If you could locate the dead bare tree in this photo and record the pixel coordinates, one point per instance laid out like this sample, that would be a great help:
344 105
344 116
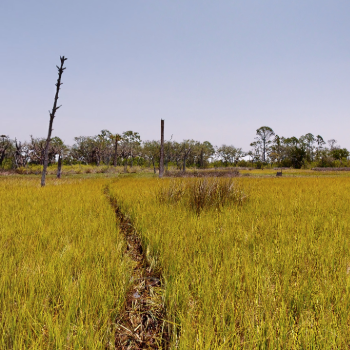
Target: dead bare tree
161 160
52 116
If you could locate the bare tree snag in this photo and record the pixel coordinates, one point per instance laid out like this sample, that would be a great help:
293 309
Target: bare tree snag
161 160
52 116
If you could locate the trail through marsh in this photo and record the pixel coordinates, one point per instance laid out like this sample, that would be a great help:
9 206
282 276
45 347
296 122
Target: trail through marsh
141 324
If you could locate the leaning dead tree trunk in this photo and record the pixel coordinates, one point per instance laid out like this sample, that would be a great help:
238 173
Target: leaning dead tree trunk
161 160
52 116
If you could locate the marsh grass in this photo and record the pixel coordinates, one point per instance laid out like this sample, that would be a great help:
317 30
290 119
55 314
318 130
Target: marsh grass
171 192
270 274
63 276
213 193
201 193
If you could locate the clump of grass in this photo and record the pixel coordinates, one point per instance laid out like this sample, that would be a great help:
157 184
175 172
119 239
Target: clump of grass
201 193
213 193
89 171
172 193
102 169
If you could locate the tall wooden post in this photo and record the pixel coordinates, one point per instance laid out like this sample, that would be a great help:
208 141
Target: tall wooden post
59 165
52 116
161 161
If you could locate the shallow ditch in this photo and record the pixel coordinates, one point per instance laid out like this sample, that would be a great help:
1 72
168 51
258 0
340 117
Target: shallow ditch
141 324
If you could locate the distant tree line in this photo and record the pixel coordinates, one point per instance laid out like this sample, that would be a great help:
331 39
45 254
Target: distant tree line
308 149
127 149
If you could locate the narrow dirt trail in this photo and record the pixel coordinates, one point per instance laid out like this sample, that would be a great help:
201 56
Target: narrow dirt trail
141 324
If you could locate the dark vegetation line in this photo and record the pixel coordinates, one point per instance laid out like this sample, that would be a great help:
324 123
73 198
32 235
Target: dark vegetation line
141 324
127 149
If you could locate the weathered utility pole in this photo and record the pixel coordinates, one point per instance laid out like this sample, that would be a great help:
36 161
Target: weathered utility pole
52 116
59 165
161 161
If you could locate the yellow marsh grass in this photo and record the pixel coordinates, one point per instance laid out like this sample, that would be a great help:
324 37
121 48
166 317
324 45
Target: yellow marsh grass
62 276
202 193
273 273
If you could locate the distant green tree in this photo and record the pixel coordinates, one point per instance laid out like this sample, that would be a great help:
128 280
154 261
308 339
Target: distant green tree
151 151
5 148
205 151
320 143
264 135
187 146
131 141
339 153
256 151
277 150
295 151
230 154
308 140
58 148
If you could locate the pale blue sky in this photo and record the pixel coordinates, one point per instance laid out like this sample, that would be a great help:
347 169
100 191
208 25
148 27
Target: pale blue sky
214 70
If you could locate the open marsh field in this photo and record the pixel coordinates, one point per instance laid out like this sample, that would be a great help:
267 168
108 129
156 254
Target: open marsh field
268 269
270 273
63 276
